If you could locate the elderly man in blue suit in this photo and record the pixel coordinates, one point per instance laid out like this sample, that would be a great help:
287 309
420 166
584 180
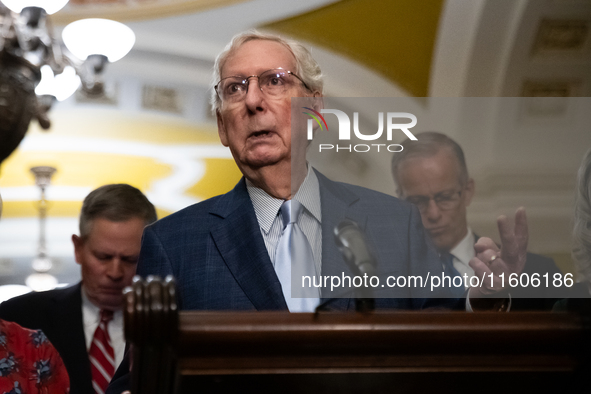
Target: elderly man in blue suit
225 252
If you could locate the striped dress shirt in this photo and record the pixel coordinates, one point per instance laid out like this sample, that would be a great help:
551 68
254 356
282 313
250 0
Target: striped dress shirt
270 221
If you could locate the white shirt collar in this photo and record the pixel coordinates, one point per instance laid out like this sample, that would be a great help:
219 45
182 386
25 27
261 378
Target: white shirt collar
91 313
464 251
266 207
91 320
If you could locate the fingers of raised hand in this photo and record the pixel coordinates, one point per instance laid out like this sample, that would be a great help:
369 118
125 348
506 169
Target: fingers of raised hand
489 281
485 243
521 229
488 256
514 240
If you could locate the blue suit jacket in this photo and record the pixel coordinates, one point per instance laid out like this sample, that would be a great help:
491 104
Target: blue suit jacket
217 255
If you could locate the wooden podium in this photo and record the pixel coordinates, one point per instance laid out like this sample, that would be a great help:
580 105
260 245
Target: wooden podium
348 352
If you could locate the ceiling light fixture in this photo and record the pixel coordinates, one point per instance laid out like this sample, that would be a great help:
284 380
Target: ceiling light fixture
50 6
29 51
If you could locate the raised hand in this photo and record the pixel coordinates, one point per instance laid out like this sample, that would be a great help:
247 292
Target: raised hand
509 259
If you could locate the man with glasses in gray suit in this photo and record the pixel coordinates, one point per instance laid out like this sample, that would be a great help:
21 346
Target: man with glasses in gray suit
432 174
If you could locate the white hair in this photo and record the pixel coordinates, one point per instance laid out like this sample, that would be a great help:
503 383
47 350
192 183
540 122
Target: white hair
306 67
581 251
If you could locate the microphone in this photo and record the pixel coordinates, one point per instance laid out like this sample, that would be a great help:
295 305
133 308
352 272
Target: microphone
352 244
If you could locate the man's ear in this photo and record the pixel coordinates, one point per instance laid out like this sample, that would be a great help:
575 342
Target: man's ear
221 128
78 245
318 101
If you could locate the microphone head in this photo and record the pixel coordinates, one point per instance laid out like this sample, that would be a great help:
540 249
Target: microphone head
351 242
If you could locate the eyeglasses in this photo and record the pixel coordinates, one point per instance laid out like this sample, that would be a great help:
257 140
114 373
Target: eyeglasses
444 200
273 83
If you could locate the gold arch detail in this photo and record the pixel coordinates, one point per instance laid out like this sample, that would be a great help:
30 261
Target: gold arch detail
396 38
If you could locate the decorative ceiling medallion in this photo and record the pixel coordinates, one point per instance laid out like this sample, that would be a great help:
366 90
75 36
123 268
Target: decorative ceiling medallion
562 36
161 99
129 10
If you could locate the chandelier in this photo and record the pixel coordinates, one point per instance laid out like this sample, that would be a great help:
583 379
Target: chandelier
36 68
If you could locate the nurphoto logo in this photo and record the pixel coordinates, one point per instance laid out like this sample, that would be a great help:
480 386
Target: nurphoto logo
392 123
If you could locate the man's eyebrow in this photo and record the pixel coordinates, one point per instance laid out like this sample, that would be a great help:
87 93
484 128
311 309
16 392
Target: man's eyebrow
445 191
99 254
99 251
435 194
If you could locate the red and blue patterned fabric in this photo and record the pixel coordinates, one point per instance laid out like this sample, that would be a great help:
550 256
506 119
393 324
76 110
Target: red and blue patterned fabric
29 364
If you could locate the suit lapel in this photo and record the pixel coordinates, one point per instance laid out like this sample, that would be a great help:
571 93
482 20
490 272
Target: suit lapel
239 241
69 314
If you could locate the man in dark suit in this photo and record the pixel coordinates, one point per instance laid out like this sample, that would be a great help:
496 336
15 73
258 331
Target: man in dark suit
111 224
225 252
431 172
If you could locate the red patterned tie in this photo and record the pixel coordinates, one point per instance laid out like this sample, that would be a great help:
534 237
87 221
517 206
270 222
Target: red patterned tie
101 354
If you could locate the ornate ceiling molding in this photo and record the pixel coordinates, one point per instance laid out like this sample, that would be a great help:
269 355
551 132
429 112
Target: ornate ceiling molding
134 10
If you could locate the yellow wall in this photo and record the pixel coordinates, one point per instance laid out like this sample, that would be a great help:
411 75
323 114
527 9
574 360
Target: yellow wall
395 37
81 167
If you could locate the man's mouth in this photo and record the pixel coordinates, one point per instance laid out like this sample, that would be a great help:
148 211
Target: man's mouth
436 231
260 134
112 290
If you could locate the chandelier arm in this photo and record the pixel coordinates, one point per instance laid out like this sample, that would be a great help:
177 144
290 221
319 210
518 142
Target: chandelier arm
7 25
58 59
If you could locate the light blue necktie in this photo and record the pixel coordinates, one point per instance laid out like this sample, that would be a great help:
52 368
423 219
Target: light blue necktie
294 248
447 260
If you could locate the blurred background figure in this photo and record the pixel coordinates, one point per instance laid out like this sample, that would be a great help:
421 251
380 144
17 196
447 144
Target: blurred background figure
85 321
432 174
581 291
582 222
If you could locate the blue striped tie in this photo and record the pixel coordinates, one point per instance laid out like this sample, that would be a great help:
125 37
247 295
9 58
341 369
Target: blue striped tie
294 247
